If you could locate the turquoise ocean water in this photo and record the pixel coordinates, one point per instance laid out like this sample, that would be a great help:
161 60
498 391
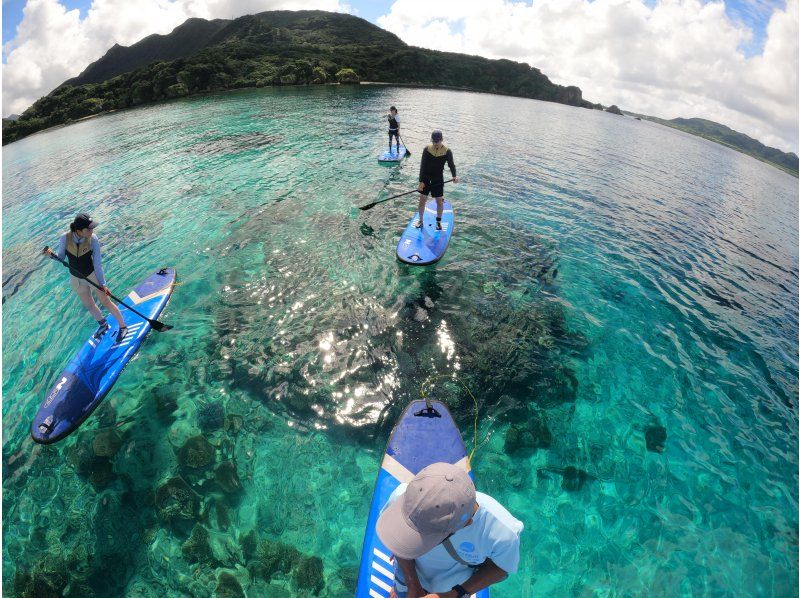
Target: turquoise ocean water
620 297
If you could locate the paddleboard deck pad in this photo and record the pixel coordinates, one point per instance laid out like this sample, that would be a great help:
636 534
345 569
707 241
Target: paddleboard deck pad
426 245
93 371
393 156
419 439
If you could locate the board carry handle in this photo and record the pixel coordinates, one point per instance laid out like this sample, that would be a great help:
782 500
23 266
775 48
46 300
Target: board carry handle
428 411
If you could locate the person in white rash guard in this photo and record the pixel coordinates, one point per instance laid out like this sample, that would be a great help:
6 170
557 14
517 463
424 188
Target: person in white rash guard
82 249
448 540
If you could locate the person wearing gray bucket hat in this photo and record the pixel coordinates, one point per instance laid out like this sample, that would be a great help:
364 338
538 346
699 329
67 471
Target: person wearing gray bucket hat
447 539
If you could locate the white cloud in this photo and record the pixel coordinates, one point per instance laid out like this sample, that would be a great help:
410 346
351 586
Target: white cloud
676 58
53 44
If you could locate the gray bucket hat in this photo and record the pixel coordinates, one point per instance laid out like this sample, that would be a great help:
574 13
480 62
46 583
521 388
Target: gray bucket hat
437 503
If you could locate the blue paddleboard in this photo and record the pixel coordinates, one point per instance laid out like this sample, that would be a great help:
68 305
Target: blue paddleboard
426 245
92 372
419 439
393 156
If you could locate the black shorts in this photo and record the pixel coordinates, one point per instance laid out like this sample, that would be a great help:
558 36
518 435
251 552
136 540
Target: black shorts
394 134
433 188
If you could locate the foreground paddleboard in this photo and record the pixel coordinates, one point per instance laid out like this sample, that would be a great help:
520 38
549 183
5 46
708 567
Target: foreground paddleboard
393 156
426 245
92 372
419 439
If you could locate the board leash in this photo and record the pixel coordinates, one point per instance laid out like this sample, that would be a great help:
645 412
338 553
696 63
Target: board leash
428 383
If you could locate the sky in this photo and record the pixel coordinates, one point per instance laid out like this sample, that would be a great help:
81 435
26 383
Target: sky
734 61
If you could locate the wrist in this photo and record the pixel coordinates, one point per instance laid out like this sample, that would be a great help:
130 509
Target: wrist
458 591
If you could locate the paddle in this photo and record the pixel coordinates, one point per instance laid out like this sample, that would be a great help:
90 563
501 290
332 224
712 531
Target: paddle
375 203
408 151
159 326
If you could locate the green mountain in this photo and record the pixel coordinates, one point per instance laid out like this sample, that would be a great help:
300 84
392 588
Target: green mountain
272 48
713 131
186 39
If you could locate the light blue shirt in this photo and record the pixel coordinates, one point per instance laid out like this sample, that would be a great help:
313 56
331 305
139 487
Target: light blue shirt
493 534
97 260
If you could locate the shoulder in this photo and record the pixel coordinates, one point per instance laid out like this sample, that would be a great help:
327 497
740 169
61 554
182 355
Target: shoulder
498 517
96 242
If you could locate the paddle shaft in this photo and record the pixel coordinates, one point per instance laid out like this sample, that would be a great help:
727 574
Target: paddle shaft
375 203
408 151
114 297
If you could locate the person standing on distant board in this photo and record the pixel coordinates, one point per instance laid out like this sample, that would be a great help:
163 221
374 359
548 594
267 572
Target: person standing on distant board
82 250
394 128
431 176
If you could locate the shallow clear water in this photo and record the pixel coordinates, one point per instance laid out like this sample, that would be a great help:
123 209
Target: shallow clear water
613 288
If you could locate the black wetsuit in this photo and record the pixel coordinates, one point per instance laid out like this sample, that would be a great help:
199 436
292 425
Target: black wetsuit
431 169
394 130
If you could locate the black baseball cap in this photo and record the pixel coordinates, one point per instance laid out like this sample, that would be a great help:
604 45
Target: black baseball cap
436 136
82 221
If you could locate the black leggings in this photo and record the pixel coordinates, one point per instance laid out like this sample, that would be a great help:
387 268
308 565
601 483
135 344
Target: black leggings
396 135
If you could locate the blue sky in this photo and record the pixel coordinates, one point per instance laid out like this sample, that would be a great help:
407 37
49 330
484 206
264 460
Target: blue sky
755 15
12 14
371 9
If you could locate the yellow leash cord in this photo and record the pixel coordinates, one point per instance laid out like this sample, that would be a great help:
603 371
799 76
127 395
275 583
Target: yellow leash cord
429 382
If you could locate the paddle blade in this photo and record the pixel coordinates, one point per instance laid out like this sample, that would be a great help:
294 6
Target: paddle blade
160 326
368 206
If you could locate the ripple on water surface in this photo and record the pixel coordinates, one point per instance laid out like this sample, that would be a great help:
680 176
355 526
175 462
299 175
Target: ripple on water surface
620 297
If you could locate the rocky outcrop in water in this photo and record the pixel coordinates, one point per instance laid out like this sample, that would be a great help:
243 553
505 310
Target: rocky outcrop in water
656 438
176 500
106 443
196 549
227 477
211 416
530 434
196 453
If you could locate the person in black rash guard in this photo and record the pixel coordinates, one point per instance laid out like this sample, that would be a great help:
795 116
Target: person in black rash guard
431 176
394 128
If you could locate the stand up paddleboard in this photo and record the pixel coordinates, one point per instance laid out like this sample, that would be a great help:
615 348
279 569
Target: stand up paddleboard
92 372
421 437
426 245
392 156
